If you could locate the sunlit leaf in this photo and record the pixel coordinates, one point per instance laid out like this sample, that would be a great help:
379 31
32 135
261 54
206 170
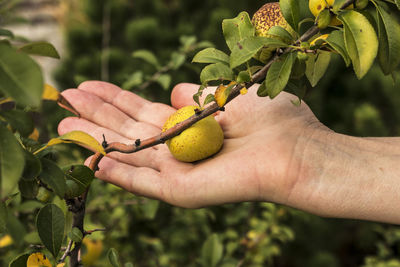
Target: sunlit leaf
50 224
75 235
40 49
21 77
316 66
237 29
211 55
389 38
361 41
291 12
336 41
245 49
76 137
278 74
217 71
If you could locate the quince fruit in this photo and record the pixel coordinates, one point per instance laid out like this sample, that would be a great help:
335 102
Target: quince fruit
202 140
268 16
317 6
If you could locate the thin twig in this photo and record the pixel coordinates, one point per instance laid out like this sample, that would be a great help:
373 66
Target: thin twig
66 253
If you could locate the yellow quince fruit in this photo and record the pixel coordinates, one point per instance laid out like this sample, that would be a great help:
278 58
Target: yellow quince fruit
202 140
268 16
317 6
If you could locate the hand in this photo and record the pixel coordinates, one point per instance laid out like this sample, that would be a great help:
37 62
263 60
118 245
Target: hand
261 160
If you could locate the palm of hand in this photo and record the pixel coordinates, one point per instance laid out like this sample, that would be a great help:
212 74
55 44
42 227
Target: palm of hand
258 161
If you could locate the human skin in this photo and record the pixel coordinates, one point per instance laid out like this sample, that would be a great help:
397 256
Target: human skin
273 151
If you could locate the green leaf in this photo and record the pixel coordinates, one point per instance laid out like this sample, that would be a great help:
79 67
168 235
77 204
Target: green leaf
134 80
281 33
177 60
164 80
291 12
15 228
361 41
237 29
209 98
75 234
19 261
40 49
149 208
28 188
211 55
20 76
262 90
211 253
196 96
53 176
19 120
50 223
397 2
278 74
11 162
316 66
78 178
243 77
147 56
33 166
187 41
389 38
244 50
217 71
3 216
336 41
7 33
112 256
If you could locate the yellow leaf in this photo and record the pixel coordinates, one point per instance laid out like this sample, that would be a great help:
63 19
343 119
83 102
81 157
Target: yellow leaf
222 93
5 241
322 37
5 100
34 135
243 91
38 260
76 137
61 264
50 93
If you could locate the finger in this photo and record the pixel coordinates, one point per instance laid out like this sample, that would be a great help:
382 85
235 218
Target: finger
135 106
94 109
154 157
137 180
182 94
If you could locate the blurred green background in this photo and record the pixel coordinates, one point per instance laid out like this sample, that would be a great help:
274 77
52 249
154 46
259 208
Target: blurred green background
100 37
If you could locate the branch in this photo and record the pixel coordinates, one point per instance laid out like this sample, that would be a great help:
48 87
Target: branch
176 130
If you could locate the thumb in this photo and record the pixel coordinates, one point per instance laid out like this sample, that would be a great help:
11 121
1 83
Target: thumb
182 94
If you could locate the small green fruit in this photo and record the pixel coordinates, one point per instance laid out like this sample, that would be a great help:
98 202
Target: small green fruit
43 195
201 140
264 19
361 4
324 19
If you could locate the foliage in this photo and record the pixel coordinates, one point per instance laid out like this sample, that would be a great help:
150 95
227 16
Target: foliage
36 192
